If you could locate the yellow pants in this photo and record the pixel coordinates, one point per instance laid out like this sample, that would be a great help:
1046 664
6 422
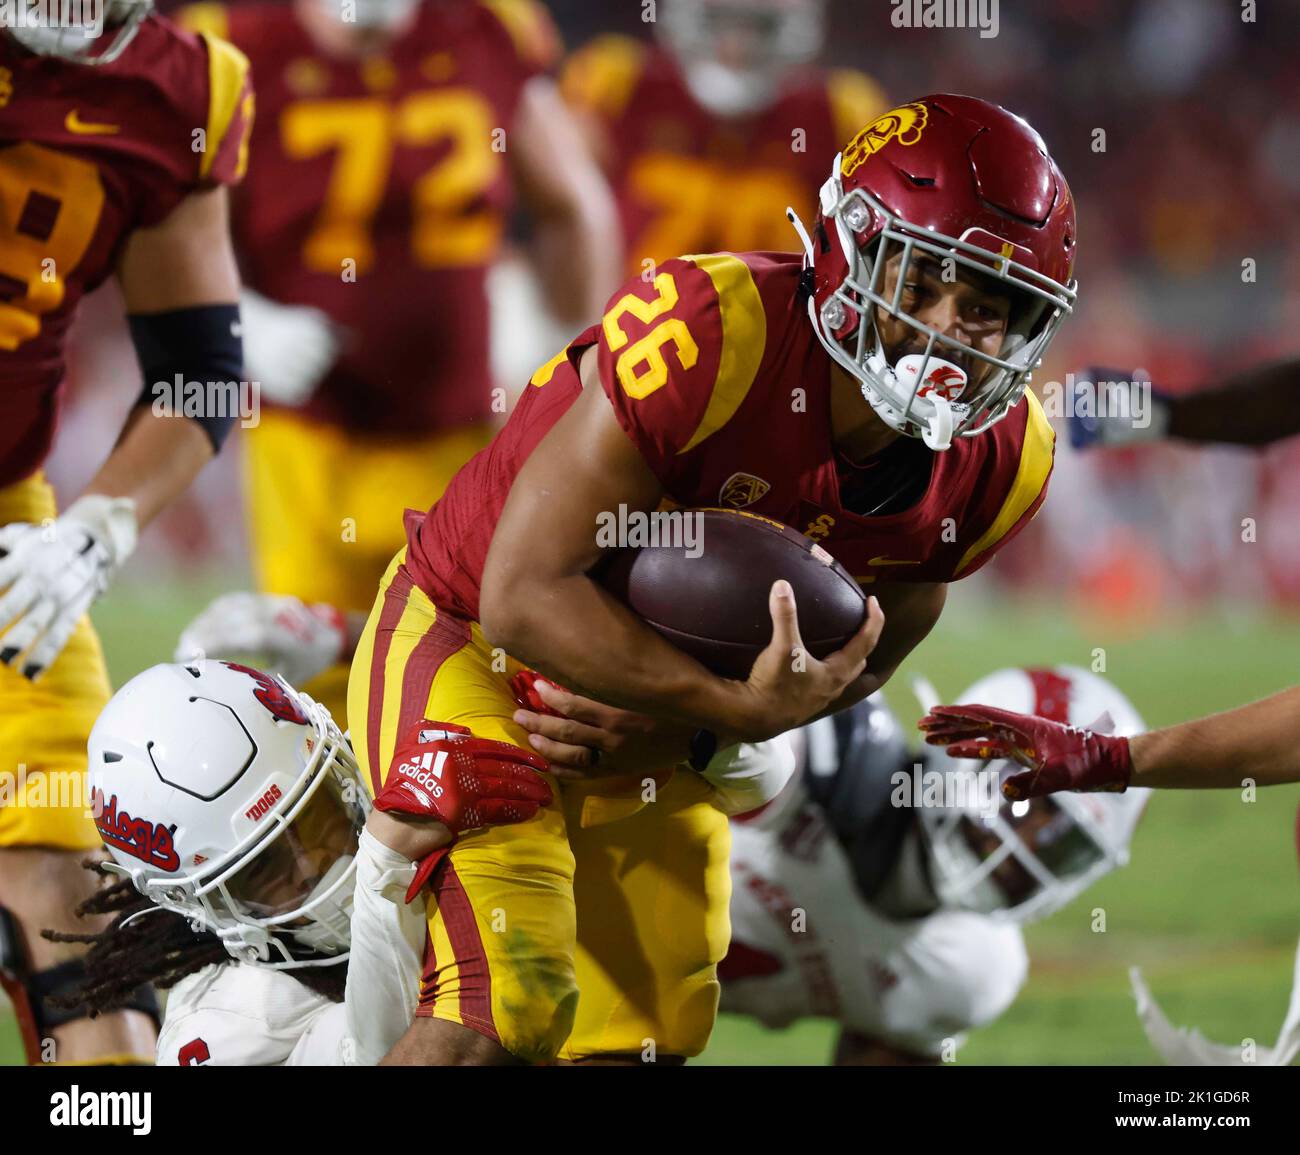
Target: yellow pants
44 725
593 929
324 511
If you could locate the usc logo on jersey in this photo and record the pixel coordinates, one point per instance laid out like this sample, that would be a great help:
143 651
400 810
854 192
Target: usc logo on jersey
819 527
904 124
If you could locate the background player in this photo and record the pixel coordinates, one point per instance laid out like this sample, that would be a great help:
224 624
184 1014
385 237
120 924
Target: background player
1257 744
278 913
708 133
1256 406
684 387
389 154
901 922
114 157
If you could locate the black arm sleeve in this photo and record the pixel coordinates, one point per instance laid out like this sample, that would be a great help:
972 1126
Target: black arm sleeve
192 361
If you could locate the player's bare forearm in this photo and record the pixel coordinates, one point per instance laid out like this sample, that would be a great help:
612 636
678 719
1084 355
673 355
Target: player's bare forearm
1256 406
1260 741
155 458
577 248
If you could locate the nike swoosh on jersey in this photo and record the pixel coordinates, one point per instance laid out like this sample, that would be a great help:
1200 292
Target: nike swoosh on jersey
890 561
74 123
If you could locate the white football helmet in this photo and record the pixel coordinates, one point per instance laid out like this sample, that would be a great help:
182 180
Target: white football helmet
229 798
1023 860
734 54
87 45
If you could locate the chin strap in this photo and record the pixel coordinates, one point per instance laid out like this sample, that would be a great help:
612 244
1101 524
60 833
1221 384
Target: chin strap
937 432
794 218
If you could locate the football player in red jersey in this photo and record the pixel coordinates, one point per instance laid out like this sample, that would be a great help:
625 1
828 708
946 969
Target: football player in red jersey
708 133
389 153
869 392
114 156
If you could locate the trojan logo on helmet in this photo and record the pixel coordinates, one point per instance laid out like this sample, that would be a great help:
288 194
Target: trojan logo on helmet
903 124
944 189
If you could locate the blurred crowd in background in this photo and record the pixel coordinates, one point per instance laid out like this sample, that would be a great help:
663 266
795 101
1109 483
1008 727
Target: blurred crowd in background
1189 214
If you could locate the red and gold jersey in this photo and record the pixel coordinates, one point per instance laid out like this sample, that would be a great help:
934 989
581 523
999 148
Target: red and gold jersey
378 192
87 155
715 373
689 181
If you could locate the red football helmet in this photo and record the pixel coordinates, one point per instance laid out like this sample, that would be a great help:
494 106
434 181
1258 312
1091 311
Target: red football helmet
958 184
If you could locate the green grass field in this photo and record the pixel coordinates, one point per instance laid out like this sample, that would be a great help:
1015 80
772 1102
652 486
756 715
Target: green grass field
1209 905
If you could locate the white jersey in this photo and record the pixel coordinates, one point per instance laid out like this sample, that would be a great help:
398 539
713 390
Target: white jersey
806 944
241 1015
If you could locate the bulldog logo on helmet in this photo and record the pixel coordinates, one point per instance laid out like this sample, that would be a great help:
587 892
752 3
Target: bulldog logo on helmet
273 695
903 124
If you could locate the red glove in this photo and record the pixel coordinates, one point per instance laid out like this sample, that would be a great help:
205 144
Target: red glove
1057 757
524 684
443 772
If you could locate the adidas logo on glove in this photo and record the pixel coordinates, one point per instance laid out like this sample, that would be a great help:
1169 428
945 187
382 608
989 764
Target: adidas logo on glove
426 771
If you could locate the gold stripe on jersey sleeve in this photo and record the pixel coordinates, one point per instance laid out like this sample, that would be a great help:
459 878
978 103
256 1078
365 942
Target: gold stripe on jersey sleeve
856 100
547 371
205 16
744 336
602 75
533 32
227 73
1031 476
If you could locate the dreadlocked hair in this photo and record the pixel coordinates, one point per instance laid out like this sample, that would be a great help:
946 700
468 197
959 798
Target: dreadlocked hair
159 948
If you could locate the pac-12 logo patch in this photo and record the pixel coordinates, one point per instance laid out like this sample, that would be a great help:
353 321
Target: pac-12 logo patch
742 489
903 124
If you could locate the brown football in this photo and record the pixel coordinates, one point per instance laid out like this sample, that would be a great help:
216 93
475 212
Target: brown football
714 605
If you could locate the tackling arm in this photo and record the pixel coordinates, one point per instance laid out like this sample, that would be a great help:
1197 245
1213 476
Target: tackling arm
1260 741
